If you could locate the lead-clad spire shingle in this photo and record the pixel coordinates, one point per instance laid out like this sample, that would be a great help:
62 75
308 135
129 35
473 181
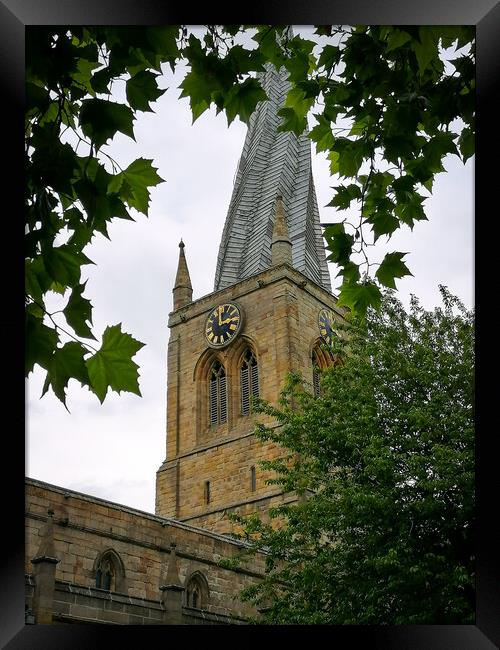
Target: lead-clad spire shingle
272 164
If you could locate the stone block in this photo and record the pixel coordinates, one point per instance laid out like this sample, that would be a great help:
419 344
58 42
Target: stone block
83 611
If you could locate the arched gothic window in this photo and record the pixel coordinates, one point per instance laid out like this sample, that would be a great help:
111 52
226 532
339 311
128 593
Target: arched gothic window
249 379
197 593
109 572
217 394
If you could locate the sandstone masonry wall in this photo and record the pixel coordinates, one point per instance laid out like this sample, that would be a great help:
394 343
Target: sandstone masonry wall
281 308
86 526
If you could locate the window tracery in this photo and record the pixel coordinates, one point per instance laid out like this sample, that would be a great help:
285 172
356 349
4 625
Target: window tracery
197 593
109 572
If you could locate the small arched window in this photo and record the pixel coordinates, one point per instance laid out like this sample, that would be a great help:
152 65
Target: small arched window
197 593
249 379
217 394
109 572
253 479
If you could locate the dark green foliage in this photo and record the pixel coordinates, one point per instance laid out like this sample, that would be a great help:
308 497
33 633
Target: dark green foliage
71 196
383 464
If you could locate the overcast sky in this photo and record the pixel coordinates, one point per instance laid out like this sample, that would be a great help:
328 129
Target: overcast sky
114 450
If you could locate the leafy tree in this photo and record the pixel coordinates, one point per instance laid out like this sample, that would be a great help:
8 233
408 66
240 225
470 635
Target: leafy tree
382 463
74 188
388 109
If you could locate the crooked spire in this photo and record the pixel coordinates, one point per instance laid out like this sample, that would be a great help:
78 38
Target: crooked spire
272 164
183 291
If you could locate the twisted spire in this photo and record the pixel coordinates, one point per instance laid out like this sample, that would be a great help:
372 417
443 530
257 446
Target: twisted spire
272 163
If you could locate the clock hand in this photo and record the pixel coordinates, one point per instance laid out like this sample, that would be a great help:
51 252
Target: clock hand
220 310
228 320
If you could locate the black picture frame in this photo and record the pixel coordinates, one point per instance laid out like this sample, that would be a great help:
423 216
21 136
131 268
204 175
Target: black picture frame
15 16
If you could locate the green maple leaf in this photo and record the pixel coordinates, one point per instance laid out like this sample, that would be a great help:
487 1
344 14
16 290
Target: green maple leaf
242 100
392 267
412 210
37 281
297 66
63 264
100 80
138 176
299 100
339 243
243 61
199 88
334 158
426 48
40 342
112 366
268 44
294 113
329 56
292 121
344 196
359 296
66 363
436 148
100 120
466 143
322 134
142 89
383 222
397 38
350 161
78 311
164 41
350 272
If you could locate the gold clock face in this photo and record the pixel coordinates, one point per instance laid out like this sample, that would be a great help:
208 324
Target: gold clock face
325 322
223 324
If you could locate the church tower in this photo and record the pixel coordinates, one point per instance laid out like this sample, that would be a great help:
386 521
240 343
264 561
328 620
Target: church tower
271 309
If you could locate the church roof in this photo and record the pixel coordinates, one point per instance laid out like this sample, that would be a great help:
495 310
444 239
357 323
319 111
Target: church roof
272 164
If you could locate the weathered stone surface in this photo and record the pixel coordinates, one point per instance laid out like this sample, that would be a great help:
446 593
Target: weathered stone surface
144 550
281 309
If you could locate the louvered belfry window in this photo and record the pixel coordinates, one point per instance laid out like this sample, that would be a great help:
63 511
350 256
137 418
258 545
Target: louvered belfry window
218 394
249 375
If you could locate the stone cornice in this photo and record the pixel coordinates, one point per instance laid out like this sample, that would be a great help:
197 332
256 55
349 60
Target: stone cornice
164 521
255 282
